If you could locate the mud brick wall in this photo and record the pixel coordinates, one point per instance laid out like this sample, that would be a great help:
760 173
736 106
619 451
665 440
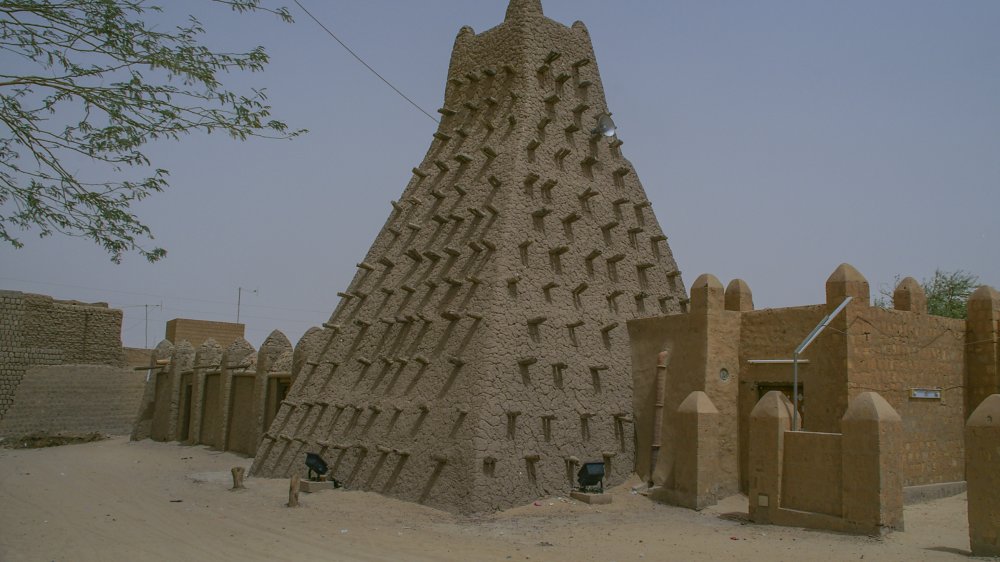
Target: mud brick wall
894 351
38 330
983 461
196 332
215 397
13 358
864 349
241 436
138 357
982 347
812 472
74 400
696 352
850 481
773 334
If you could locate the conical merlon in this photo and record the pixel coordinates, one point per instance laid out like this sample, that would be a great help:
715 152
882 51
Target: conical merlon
522 8
480 353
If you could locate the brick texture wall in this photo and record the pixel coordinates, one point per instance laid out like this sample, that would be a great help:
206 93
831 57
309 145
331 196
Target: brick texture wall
892 352
137 357
36 330
197 331
74 400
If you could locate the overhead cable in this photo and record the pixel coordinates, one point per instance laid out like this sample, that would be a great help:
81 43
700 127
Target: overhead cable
362 61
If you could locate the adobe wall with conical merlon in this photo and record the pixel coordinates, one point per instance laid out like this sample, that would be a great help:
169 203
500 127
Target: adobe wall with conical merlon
982 436
480 353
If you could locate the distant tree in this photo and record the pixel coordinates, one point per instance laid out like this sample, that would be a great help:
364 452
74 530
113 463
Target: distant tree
947 293
89 82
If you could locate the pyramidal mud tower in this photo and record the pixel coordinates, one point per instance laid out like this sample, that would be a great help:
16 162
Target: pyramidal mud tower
480 353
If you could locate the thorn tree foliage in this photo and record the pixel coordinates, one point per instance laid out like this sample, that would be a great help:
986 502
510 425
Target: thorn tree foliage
90 83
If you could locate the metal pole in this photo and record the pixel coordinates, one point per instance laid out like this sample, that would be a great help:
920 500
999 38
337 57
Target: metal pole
146 345
795 391
802 347
239 295
774 361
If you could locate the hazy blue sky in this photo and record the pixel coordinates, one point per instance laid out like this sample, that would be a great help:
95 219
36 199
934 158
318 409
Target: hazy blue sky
776 139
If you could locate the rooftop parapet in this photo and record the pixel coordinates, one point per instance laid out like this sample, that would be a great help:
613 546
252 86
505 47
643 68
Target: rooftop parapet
909 296
846 281
984 303
707 294
739 298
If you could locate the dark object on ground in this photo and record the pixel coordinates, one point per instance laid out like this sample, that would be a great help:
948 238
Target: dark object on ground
42 440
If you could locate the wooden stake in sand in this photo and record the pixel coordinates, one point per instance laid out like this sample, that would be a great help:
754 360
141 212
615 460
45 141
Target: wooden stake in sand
293 491
238 473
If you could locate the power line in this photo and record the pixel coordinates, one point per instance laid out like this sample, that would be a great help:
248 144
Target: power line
69 286
164 307
158 296
368 66
173 309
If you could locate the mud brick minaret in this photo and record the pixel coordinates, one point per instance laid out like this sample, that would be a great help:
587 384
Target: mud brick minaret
480 354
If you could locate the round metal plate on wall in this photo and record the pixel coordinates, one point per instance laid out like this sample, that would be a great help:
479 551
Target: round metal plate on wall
724 375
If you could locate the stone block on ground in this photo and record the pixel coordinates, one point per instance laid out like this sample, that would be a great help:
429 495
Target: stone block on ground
593 499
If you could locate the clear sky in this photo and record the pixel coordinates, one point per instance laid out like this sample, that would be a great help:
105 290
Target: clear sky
775 138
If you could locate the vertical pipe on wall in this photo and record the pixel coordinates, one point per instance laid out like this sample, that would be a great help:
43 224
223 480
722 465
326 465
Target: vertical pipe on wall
661 390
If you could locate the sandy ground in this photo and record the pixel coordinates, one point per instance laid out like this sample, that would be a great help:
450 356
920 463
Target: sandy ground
116 500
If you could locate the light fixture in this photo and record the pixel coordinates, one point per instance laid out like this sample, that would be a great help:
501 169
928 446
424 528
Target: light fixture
591 477
605 126
315 463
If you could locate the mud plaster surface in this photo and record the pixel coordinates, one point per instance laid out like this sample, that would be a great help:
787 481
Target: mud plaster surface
481 350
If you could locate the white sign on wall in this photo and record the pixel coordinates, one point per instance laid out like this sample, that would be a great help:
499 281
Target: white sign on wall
925 393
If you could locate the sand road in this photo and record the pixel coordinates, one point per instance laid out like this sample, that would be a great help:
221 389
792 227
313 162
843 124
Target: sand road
115 500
